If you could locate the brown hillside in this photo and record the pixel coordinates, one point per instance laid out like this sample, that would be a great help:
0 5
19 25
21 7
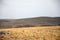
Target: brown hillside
29 22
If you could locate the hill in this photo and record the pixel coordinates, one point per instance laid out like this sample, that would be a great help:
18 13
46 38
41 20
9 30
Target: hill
30 22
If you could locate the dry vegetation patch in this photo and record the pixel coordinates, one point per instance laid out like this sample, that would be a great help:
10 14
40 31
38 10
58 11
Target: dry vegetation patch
31 33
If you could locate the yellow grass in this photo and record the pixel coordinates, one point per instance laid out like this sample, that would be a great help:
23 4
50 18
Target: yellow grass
31 33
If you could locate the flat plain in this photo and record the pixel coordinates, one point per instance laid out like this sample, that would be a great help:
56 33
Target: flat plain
31 33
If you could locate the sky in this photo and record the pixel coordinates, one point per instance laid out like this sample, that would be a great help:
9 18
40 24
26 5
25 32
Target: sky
14 9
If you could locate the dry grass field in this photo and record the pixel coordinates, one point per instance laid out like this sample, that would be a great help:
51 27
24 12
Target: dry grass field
31 33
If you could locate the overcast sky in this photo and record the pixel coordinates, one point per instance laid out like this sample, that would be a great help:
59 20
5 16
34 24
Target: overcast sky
28 8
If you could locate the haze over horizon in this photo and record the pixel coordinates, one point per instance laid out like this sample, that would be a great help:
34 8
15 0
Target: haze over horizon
16 9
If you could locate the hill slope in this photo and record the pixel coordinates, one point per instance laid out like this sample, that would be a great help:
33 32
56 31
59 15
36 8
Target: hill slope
28 22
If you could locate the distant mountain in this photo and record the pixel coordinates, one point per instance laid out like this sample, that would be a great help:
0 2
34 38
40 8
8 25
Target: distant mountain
29 22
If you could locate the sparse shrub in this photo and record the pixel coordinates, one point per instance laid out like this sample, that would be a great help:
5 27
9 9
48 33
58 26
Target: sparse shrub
20 26
28 25
35 33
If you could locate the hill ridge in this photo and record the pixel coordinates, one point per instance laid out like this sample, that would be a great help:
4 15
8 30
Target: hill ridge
27 22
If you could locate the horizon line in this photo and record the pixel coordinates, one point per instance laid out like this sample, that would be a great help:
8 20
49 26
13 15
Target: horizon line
28 17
